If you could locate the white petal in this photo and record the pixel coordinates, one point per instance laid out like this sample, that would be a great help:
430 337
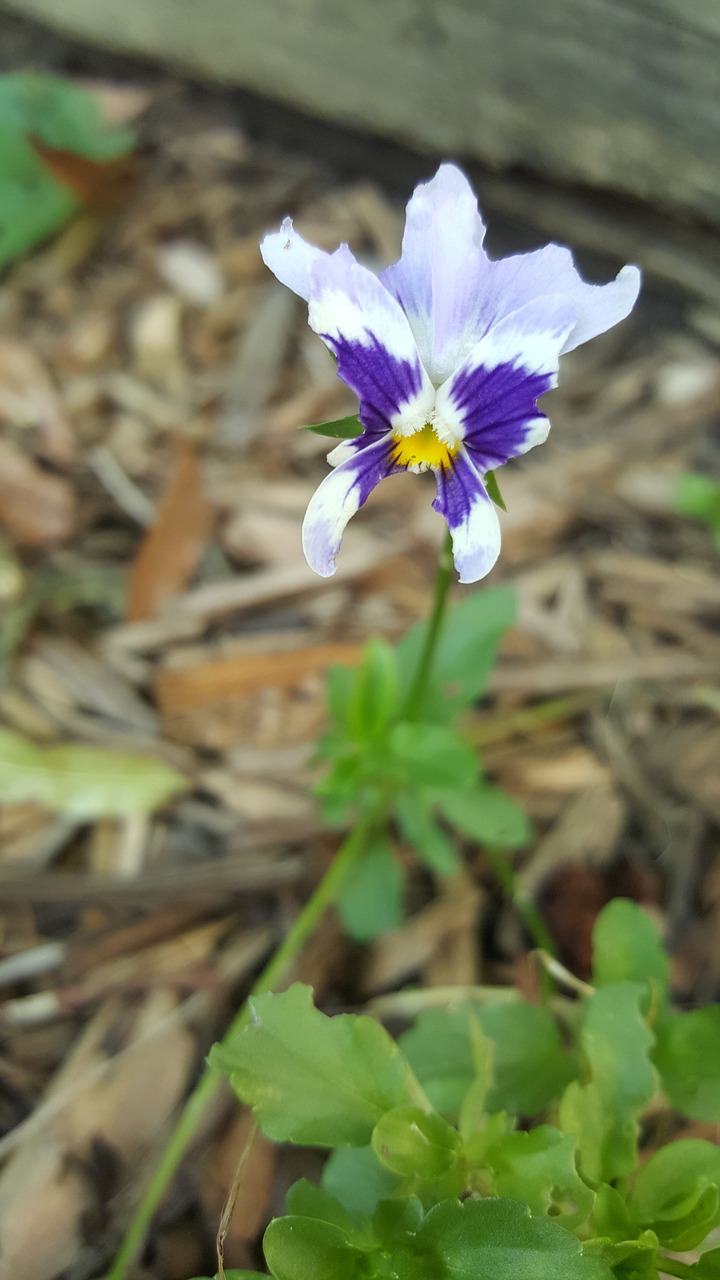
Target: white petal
339 496
471 518
602 306
291 258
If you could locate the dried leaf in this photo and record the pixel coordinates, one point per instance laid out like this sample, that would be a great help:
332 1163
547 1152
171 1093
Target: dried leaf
29 399
172 548
36 509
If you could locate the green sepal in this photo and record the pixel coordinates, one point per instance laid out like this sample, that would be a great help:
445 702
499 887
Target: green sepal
493 490
339 428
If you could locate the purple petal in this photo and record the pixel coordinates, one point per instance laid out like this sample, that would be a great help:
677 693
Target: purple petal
471 517
491 400
340 495
370 336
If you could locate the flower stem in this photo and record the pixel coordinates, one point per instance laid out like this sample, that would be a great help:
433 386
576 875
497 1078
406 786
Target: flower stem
443 580
526 909
209 1083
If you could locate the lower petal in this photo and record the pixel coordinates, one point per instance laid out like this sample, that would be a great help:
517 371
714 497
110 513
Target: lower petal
340 495
471 518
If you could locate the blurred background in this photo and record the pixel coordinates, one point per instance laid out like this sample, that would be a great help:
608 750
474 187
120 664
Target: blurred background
153 597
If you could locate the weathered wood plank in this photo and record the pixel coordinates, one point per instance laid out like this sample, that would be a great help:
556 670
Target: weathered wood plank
624 95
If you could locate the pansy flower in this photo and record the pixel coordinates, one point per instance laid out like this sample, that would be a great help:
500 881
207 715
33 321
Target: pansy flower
448 352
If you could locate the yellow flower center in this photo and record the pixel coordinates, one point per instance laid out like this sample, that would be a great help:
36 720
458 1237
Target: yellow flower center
423 449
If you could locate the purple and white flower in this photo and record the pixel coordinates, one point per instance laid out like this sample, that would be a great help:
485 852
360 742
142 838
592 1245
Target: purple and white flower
448 353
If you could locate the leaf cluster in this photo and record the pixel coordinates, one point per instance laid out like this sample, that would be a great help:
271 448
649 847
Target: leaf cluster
494 1138
62 116
417 770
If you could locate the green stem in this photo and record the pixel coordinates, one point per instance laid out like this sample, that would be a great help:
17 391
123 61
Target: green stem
443 580
526 909
209 1083
673 1267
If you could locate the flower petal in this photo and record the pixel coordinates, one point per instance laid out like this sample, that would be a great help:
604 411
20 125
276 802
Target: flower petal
291 258
490 402
471 517
370 336
440 272
339 496
513 282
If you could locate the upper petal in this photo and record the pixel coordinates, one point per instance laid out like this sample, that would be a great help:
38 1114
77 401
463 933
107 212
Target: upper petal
440 272
512 282
370 335
490 402
291 258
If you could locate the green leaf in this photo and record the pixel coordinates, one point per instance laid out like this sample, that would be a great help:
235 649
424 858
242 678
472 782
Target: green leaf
439 1049
32 203
539 1168
627 947
431 844
698 496
495 1240
676 1193
395 1221
313 1079
485 814
493 488
416 1143
63 114
707 1266
611 1216
432 755
340 428
687 1055
304 1249
374 697
465 653
355 1177
305 1200
603 1114
89 782
371 898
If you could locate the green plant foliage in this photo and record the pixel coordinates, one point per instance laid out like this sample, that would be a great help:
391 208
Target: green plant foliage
485 814
371 899
495 1240
466 651
431 1175
603 1114
416 1143
539 1168
89 782
63 116
355 1177
441 1053
677 1193
627 948
339 428
313 1079
687 1055
698 496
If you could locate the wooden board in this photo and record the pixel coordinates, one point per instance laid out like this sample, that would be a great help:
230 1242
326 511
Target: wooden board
618 95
